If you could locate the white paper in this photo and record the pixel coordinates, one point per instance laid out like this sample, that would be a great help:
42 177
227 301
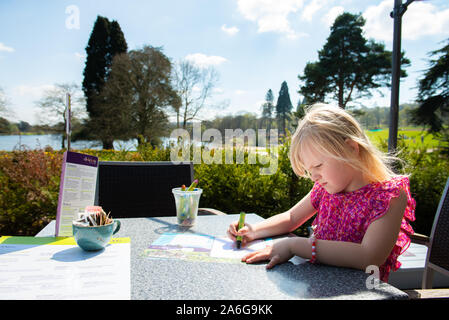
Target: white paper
192 241
58 272
226 248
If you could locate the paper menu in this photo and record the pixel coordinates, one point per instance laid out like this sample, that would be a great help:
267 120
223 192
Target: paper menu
49 268
77 189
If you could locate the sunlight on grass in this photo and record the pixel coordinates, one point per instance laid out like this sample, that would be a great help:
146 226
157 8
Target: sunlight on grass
412 136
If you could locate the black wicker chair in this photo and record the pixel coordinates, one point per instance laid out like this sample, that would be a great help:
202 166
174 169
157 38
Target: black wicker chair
132 189
438 251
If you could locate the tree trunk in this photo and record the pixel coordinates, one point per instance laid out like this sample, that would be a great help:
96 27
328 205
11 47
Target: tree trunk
108 144
63 141
340 96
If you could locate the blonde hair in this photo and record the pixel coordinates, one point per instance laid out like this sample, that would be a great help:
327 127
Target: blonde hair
327 128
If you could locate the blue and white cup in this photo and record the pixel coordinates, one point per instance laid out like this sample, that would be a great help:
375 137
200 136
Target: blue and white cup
92 238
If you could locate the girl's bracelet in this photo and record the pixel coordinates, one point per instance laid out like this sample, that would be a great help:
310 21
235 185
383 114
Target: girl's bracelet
312 241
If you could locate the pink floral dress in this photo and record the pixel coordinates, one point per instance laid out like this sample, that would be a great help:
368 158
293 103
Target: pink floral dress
346 216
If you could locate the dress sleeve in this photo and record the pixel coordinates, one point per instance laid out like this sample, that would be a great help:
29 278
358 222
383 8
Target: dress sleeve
381 202
316 195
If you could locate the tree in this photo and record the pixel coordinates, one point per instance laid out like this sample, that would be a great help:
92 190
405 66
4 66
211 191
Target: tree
5 126
283 107
137 95
24 126
299 113
3 103
433 93
194 86
315 83
268 109
112 119
348 66
405 114
53 106
106 41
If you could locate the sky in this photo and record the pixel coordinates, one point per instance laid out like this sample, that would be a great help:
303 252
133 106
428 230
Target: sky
254 45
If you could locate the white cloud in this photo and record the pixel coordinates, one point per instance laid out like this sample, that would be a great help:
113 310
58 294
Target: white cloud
421 19
79 56
331 15
379 24
5 48
32 92
230 31
270 15
311 8
205 61
240 92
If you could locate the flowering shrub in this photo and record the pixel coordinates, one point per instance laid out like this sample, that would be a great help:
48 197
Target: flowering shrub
29 184
29 187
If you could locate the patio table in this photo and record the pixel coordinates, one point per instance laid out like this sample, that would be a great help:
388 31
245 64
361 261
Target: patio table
176 279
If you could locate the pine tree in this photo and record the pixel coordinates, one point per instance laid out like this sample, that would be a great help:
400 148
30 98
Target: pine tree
349 65
433 95
106 41
283 107
268 108
95 69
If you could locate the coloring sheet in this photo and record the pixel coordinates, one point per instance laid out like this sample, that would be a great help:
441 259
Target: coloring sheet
226 248
201 247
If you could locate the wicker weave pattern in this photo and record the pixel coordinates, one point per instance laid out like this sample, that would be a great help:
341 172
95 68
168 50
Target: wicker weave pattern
130 190
439 254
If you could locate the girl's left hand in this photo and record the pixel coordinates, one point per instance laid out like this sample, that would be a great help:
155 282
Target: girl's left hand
278 253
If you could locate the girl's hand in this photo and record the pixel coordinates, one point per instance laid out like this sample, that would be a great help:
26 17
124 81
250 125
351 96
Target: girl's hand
247 232
278 253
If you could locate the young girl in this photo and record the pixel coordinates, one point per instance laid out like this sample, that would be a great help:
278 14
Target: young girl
362 207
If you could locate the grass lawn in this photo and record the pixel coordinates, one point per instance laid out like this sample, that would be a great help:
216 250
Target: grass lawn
411 135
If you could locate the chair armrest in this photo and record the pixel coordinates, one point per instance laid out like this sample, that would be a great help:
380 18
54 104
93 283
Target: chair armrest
428 293
420 239
209 211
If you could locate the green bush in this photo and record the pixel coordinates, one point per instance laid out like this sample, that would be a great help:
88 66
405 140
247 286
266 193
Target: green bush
429 172
29 185
232 188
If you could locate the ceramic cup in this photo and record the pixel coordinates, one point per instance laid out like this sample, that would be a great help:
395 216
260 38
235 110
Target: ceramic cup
94 238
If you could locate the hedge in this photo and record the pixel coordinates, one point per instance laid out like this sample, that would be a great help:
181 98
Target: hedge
29 185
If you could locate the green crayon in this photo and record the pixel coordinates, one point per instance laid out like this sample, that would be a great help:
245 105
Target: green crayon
240 226
193 185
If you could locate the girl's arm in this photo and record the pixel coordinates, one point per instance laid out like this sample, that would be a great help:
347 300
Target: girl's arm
287 221
276 225
374 249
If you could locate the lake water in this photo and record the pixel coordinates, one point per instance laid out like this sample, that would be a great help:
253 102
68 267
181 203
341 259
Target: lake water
8 143
11 142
